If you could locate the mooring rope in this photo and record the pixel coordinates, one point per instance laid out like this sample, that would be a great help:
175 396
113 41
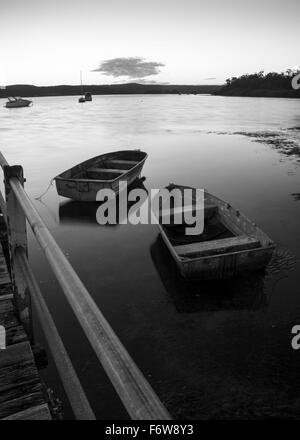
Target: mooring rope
44 193
52 215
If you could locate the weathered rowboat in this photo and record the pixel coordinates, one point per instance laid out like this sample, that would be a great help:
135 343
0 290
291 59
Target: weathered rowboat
230 244
83 181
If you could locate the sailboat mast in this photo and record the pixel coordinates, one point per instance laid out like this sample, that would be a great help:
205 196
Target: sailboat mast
81 82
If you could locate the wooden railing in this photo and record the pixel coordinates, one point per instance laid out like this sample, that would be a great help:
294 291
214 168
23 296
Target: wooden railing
138 397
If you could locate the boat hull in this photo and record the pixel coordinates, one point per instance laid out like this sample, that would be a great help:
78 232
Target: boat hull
18 104
86 190
227 265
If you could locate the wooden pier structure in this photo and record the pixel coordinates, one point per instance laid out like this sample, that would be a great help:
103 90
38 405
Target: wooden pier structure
22 393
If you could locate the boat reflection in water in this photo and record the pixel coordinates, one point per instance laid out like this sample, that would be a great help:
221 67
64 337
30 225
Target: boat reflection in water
75 212
242 293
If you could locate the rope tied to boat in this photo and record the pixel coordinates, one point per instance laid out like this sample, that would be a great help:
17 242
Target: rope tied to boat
45 192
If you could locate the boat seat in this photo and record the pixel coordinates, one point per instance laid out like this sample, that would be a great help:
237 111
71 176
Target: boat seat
121 163
209 211
214 247
106 170
104 173
124 161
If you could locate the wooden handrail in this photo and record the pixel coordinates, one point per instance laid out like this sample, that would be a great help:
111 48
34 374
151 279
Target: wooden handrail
137 395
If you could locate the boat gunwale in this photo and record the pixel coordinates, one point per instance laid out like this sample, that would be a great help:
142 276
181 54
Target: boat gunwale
101 180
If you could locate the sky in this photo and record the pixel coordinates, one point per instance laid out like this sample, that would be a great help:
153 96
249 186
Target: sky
48 42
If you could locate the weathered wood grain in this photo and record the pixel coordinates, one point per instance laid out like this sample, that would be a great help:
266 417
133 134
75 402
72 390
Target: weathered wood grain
8 317
21 403
15 335
6 297
40 412
21 391
4 275
231 244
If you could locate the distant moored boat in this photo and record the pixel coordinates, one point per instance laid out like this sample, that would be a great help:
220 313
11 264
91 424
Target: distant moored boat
14 102
82 98
88 96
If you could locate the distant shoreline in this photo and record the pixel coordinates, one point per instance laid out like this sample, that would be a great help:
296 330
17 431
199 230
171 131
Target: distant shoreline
26 90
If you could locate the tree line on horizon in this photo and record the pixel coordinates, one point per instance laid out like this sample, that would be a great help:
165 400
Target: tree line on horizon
262 80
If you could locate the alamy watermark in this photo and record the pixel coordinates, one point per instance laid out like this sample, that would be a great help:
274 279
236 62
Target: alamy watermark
296 81
165 206
2 338
296 339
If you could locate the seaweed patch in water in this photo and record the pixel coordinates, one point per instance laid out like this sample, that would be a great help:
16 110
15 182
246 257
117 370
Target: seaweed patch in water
294 128
278 141
258 134
296 196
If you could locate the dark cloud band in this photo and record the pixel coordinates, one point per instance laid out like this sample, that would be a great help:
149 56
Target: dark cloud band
132 67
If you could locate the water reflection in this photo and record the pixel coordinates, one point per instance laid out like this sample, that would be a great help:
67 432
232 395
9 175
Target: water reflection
244 293
85 213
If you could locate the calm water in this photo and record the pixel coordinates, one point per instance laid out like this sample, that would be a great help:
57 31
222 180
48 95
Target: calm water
217 350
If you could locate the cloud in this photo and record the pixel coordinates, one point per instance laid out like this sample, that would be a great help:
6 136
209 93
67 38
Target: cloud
210 78
132 67
148 81
141 81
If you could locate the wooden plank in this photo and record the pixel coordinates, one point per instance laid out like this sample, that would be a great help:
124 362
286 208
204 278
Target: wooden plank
22 402
15 335
3 206
231 223
8 296
8 317
40 412
4 275
30 387
122 162
106 170
6 290
17 353
213 247
103 173
18 374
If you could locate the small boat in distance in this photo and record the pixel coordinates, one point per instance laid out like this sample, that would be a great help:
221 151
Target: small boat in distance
229 245
83 181
82 98
88 96
16 102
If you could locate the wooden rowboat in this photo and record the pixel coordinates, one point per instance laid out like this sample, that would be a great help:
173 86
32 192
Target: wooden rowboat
83 181
230 244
